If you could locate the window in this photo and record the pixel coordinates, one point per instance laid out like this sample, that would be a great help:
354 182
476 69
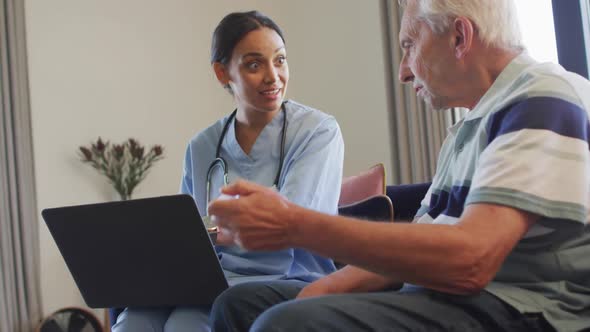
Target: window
571 32
538 32
585 9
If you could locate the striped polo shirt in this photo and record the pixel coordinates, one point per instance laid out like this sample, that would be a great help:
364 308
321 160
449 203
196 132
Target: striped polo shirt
526 145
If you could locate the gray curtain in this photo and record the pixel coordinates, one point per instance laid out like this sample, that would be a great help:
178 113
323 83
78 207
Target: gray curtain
20 299
417 132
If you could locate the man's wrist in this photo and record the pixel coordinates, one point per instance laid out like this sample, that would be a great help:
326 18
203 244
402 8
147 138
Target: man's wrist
296 221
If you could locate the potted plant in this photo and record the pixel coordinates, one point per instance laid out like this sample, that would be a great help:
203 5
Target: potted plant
125 164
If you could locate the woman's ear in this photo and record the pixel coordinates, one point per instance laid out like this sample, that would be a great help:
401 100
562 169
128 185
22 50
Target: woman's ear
221 73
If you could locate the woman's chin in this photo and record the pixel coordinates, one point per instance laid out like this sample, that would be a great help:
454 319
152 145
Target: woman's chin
270 106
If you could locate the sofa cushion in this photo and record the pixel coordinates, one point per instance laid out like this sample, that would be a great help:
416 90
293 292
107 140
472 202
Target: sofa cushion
375 208
366 184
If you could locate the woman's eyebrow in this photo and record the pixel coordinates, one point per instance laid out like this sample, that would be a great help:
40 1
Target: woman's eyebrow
260 55
253 54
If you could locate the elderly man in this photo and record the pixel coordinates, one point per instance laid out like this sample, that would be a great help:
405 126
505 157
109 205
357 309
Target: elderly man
500 242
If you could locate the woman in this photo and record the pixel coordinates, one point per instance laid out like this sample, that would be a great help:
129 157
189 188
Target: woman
268 140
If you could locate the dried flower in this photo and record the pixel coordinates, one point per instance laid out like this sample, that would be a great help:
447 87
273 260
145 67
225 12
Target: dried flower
118 152
100 145
157 150
125 165
86 153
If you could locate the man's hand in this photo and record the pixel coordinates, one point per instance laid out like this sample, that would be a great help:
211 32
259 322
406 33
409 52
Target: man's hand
349 279
316 288
258 220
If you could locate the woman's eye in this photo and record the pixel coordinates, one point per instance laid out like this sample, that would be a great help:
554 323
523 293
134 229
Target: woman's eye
253 65
281 60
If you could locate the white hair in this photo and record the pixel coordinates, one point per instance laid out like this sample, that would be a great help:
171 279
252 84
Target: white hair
495 20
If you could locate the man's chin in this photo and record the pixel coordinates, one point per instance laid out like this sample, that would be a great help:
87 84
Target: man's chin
435 105
429 104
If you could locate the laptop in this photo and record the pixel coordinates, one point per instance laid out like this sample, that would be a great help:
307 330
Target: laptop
144 252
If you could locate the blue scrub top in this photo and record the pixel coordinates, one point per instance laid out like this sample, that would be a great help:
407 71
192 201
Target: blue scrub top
311 177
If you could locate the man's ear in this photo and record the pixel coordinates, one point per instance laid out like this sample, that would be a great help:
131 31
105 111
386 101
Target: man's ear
221 73
463 34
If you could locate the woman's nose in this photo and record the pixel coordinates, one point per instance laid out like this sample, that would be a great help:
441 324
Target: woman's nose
271 75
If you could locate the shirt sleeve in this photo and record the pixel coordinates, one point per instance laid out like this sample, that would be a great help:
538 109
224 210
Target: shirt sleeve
313 177
424 204
536 160
186 183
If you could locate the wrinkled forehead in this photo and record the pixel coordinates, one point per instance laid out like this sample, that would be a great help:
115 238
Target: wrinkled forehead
410 20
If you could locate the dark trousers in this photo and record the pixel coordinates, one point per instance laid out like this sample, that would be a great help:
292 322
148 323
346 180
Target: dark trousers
269 306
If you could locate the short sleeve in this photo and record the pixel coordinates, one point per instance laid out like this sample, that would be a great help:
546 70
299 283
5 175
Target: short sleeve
186 183
314 176
424 204
536 160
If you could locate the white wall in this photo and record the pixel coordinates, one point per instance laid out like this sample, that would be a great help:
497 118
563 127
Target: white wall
140 68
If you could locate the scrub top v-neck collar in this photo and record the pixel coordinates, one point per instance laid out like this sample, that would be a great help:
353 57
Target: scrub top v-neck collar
265 144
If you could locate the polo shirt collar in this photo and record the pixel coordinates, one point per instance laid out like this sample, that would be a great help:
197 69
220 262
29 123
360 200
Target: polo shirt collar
504 81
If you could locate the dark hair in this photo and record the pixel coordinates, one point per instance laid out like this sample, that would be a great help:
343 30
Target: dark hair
232 28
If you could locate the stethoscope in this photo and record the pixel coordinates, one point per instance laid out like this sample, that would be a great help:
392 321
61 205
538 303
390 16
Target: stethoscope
220 162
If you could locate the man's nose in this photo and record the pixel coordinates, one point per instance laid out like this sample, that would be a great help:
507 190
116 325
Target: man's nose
405 73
